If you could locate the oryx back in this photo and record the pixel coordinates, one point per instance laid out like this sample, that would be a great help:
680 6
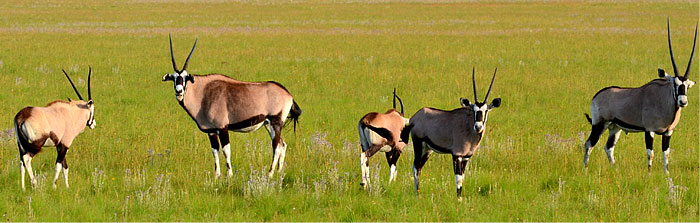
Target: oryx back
446 131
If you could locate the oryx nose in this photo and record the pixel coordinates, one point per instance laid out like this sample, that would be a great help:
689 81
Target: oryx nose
478 127
682 101
178 88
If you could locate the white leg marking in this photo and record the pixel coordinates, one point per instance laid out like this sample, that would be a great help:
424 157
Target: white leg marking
275 159
217 170
227 156
392 173
415 179
666 157
283 151
650 156
21 172
28 165
615 134
59 166
365 169
458 180
65 176
587 153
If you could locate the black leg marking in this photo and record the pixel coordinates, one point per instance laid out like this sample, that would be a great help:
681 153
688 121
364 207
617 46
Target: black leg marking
459 164
596 131
61 151
649 140
223 138
665 142
392 156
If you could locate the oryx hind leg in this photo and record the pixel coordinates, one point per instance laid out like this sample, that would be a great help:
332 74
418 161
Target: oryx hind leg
649 142
665 141
421 154
21 171
226 150
596 132
364 147
214 141
274 128
614 135
27 160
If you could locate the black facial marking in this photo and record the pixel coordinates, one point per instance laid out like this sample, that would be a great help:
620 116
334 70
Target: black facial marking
681 90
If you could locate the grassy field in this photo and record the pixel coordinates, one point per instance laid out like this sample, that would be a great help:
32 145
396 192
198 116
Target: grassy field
147 161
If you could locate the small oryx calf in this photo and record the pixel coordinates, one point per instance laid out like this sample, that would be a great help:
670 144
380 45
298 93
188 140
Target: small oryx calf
652 108
381 132
458 132
218 103
57 124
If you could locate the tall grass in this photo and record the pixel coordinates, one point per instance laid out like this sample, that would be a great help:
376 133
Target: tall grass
146 160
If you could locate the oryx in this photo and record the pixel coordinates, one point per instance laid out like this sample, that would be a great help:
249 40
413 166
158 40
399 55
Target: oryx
218 103
458 132
654 108
381 132
57 124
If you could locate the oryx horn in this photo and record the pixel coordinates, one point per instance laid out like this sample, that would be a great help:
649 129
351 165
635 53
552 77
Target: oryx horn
400 101
489 92
670 48
476 98
695 38
172 57
89 75
188 57
73 85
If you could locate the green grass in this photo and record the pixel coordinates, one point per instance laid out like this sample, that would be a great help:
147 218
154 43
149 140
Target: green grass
147 161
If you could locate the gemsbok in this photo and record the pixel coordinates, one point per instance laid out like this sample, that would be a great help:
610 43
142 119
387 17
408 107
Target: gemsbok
57 124
218 103
458 132
382 132
654 108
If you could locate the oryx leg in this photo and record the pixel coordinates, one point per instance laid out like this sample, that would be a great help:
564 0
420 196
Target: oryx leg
61 151
226 150
421 154
665 141
274 128
21 171
364 161
596 132
391 158
614 135
649 141
65 170
459 163
214 140
27 160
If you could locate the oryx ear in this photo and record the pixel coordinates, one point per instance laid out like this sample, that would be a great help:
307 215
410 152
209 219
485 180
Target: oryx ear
662 73
465 102
495 103
167 77
690 83
190 78
90 103
69 100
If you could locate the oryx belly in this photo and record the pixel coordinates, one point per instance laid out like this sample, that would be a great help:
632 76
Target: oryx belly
249 128
32 135
376 139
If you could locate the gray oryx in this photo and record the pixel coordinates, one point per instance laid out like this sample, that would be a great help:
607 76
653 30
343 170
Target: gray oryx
654 108
218 103
381 132
57 125
458 132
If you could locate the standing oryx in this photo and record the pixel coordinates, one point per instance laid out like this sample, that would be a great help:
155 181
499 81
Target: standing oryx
382 132
457 132
652 108
57 124
218 103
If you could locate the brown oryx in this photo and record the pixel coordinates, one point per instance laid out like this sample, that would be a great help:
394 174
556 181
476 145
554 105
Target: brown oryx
458 132
218 103
57 124
654 108
382 132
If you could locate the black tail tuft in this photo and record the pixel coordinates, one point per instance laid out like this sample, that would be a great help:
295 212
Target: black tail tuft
405 132
589 118
294 114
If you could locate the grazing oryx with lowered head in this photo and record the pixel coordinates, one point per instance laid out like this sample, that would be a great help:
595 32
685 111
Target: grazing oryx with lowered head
57 124
218 103
652 108
382 132
458 132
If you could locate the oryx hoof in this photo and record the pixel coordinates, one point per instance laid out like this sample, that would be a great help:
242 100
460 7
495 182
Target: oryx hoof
271 173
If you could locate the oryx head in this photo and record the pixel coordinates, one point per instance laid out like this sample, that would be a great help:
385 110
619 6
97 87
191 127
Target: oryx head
481 109
90 105
179 77
680 83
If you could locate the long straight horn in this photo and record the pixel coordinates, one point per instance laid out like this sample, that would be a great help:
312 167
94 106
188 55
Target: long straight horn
89 75
73 85
489 92
476 98
188 57
394 98
670 49
690 62
172 56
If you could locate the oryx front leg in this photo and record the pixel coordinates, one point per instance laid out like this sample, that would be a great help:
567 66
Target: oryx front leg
223 138
27 160
459 163
649 142
614 135
60 159
213 139
665 141
391 158
596 131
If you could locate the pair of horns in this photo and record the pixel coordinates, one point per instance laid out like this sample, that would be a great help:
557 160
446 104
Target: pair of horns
76 89
476 98
400 101
673 61
172 56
